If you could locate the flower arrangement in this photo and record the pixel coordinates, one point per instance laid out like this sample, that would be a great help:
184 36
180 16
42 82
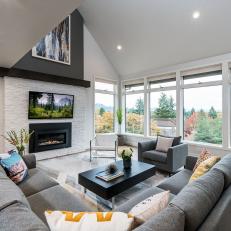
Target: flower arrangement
125 153
19 140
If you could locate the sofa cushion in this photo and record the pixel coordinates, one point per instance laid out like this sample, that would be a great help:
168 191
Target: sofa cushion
155 156
56 198
176 182
36 181
199 197
168 219
224 165
10 193
219 217
18 217
127 206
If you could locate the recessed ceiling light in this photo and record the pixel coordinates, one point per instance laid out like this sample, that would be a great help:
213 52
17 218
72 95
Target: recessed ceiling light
119 47
196 14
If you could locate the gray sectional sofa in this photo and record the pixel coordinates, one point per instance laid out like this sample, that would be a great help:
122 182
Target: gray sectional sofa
203 205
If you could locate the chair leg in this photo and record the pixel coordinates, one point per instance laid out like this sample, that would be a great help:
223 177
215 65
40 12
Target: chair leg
90 154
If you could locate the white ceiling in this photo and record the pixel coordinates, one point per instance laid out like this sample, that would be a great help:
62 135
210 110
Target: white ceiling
24 22
158 33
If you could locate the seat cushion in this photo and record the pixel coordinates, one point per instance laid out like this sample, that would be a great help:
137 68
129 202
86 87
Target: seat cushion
126 207
155 156
176 182
56 198
224 165
17 217
36 181
168 219
10 194
198 198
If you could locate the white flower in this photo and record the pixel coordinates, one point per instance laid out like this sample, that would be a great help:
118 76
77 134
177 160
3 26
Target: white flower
125 153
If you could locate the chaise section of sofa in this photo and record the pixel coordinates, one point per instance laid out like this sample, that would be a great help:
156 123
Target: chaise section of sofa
15 211
22 206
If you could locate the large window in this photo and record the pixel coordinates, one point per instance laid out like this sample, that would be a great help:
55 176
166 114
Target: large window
162 106
163 113
203 110
104 107
134 109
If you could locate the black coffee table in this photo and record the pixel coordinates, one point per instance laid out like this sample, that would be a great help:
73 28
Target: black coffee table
108 190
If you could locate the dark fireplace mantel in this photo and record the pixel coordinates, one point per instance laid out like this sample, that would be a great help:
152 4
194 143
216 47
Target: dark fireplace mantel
49 136
33 75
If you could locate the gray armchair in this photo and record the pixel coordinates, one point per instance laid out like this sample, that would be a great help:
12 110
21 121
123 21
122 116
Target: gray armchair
171 161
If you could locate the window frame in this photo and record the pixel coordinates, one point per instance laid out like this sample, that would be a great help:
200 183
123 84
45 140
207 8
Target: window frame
160 89
106 92
184 86
134 92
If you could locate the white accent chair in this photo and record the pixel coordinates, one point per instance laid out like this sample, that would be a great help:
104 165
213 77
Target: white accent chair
104 143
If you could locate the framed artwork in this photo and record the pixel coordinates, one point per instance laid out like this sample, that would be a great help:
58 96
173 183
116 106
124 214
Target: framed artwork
56 45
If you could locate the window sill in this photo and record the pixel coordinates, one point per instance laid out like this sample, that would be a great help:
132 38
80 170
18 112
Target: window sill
205 145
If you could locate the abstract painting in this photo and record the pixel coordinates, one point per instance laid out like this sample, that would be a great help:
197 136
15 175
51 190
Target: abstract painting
55 46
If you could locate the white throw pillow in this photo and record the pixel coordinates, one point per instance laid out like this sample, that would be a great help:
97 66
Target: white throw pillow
92 221
163 143
150 207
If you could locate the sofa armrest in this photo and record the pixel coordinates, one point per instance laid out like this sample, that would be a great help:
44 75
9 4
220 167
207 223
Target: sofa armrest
176 156
30 161
190 162
145 146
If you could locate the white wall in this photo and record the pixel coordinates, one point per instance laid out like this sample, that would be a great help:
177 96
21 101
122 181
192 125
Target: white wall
179 67
16 109
96 65
1 112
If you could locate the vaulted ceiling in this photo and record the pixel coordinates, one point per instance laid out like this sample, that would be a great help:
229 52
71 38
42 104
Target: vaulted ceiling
24 22
158 33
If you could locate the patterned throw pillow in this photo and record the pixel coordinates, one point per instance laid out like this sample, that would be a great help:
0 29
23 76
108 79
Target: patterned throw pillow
163 143
15 167
93 221
149 207
204 167
204 155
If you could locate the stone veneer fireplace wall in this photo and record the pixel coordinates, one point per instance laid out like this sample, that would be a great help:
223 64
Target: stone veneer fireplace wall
15 113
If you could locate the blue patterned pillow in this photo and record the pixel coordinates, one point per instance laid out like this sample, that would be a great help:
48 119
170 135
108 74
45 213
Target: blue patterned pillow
15 167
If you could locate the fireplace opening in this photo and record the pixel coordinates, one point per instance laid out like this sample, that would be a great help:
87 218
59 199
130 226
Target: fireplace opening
49 136
51 139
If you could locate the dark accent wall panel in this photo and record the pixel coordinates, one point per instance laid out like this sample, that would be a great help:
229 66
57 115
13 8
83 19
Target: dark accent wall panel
75 70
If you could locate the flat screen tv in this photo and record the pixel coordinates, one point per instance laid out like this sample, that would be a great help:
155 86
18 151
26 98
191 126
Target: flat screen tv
43 105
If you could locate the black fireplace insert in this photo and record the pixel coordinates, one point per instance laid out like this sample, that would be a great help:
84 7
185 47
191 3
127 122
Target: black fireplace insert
49 136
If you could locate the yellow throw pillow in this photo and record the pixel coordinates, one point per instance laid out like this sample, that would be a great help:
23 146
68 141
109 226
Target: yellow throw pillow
204 155
204 167
93 221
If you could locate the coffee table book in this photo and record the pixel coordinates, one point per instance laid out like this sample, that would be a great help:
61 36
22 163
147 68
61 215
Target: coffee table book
104 175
